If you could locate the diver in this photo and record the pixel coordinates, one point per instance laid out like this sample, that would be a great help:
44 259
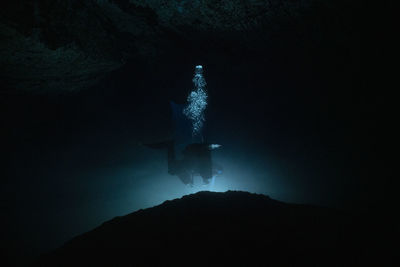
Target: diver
196 161
189 121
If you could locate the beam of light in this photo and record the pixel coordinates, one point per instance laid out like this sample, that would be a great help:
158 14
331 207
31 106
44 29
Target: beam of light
197 102
212 183
214 146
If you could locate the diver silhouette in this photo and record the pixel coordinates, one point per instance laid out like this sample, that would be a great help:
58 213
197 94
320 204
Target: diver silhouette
196 161
189 120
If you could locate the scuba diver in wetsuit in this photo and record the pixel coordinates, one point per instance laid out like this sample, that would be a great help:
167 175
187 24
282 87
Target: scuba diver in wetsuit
196 161
189 120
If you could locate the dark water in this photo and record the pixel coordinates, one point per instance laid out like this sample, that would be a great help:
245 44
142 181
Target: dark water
288 130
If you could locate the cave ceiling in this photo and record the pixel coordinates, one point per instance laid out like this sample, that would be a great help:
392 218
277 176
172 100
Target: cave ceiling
70 45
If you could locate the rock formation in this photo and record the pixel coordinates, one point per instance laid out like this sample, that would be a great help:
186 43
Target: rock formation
225 229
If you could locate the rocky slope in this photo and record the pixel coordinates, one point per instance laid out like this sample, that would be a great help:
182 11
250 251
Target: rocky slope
232 228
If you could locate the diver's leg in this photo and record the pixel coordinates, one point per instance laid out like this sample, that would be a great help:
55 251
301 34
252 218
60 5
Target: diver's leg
204 165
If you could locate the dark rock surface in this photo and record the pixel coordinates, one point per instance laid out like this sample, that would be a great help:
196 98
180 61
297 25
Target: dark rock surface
68 45
232 228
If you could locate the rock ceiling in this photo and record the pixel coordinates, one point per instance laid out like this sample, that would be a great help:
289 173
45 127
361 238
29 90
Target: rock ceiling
70 45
